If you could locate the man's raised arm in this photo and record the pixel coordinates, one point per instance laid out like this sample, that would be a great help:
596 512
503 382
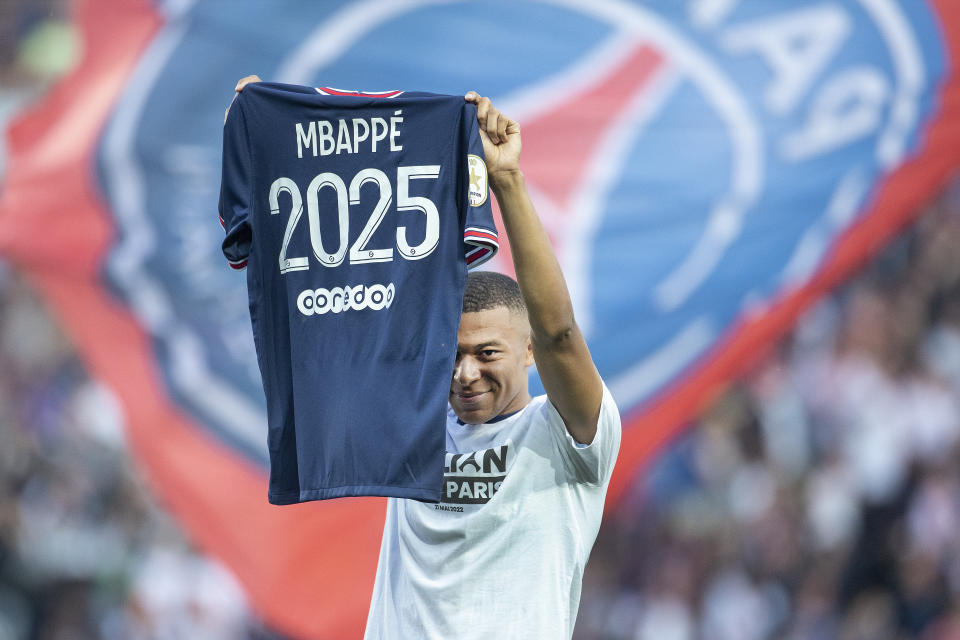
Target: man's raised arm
563 360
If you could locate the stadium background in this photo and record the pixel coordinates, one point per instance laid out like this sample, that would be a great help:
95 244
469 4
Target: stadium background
815 496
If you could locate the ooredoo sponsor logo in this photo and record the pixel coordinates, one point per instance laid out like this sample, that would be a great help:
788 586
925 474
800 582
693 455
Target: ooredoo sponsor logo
319 301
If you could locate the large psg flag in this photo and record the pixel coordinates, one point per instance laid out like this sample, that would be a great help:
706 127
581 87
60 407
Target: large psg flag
706 169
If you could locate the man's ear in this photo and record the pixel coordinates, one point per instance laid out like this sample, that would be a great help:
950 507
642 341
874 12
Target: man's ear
528 361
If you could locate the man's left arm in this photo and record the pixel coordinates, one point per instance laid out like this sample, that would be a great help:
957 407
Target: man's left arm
566 368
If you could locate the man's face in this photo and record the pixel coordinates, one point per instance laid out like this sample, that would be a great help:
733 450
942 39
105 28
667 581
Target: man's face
490 374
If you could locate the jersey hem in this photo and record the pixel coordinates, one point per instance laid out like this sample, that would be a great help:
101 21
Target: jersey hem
357 490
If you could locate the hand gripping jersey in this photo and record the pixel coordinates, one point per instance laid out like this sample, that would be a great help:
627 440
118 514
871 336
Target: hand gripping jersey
356 215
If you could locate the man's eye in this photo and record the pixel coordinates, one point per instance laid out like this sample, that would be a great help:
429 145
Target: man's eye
488 353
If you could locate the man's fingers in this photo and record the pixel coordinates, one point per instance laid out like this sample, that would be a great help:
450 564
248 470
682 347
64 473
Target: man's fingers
484 137
483 108
493 120
240 85
245 81
493 124
502 123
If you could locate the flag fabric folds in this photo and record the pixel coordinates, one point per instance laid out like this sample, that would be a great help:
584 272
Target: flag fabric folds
706 170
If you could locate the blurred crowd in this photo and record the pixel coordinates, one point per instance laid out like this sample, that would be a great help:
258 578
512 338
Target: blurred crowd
819 497
84 550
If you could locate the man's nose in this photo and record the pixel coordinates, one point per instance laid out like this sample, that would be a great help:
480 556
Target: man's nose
466 372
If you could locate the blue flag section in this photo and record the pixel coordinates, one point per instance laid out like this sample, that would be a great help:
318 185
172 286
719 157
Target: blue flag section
705 168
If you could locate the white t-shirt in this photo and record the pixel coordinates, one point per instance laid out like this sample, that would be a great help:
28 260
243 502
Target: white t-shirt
502 556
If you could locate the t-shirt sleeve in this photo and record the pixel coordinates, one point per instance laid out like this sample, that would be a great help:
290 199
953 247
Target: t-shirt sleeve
479 232
235 187
589 463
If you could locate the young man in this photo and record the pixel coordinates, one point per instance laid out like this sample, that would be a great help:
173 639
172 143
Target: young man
502 555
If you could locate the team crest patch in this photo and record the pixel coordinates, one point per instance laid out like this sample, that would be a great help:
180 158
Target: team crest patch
478 180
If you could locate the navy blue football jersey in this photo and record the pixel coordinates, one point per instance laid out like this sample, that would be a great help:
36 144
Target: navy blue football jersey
356 216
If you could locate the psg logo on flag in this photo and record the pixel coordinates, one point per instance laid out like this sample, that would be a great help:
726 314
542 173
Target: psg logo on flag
705 169
692 161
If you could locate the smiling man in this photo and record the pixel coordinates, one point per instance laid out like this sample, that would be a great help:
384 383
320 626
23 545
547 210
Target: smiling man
493 350
502 555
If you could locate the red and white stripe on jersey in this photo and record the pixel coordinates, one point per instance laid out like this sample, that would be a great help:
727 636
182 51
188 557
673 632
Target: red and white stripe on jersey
330 91
481 245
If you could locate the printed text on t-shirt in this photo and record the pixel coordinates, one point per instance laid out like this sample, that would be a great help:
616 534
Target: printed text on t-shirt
474 478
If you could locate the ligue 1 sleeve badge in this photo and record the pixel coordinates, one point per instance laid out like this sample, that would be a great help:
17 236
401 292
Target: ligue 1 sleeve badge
478 180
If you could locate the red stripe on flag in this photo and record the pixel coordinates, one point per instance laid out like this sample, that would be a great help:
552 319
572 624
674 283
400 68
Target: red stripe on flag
898 202
559 143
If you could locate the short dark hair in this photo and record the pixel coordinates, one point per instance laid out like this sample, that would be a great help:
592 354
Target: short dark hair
487 290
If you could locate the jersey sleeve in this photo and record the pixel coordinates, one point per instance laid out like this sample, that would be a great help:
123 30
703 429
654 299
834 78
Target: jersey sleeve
479 232
589 463
235 187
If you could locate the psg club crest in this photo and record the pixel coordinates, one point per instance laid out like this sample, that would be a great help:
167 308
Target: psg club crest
692 160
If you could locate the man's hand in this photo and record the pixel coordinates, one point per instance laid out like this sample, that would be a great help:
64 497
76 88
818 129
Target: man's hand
501 138
240 85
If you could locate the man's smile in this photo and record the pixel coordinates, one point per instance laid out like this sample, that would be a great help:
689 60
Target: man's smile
469 396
